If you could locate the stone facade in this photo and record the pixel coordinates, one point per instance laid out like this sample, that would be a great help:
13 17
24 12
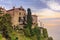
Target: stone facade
19 16
2 10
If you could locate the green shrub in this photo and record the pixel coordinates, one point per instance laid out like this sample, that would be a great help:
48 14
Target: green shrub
0 36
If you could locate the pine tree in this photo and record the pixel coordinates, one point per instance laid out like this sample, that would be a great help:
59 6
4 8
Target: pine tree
28 30
29 18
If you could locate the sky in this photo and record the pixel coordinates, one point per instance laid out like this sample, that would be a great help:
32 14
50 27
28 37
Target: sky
48 11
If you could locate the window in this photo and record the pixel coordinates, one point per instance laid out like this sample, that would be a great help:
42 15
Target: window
24 14
19 19
19 13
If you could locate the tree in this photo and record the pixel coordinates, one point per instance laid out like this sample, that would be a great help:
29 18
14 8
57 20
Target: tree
37 32
45 34
50 38
28 29
6 21
5 24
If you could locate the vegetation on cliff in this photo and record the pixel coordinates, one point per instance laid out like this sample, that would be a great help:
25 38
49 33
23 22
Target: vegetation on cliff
27 33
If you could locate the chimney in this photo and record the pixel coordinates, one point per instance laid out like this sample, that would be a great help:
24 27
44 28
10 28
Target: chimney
13 7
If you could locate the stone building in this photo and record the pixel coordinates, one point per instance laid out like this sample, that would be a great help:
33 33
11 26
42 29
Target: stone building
2 10
19 16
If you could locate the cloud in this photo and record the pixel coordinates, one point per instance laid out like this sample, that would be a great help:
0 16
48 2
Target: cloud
52 4
47 13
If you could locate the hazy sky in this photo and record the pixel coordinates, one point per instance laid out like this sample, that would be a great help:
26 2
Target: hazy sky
47 10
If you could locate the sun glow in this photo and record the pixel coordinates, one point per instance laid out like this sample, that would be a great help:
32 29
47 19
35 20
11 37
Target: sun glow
46 13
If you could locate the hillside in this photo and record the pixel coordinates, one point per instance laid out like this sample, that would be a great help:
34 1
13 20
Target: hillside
7 32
